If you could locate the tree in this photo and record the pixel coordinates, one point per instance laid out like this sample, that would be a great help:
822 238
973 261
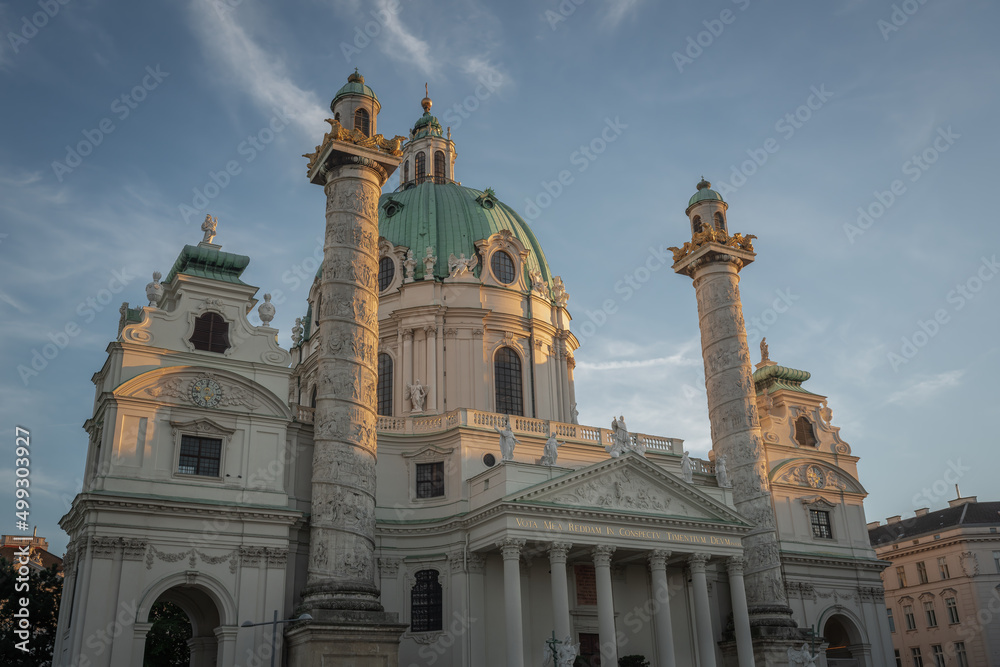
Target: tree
633 661
167 640
44 589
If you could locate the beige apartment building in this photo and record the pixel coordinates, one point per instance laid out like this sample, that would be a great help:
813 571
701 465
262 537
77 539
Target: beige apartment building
942 592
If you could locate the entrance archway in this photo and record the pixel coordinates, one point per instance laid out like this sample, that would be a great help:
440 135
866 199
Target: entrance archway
847 647
203 615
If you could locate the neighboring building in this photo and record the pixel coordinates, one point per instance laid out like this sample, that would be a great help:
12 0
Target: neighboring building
39 558
943 588
200 463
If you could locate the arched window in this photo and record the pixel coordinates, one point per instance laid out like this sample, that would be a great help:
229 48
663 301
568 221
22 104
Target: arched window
425 602
406 172
386 272
362 121
420 164
503 267
696 224
804 433
312 399
384 384
720 224
336 116
211 333
507 377
439 168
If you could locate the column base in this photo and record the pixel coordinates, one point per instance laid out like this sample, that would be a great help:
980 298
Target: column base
768 617
346 638
342 597
770 651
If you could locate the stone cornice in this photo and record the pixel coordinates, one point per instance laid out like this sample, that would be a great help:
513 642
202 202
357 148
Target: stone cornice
933 545
834 561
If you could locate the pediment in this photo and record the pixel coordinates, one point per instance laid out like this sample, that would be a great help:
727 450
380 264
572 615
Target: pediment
173 384
814 474
628 484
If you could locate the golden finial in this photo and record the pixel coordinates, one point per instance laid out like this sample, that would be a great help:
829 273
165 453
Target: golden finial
426 102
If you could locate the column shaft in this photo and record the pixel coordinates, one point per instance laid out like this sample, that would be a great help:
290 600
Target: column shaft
605 605
661 594
702 610
511 550
741 616
560 590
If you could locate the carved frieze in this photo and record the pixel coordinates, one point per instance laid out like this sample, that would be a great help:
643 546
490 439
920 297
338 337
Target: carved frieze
621 490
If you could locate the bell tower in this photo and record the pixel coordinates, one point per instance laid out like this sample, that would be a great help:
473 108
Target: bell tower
429 155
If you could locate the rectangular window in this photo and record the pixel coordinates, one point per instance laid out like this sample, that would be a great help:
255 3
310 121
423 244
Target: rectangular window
963 659
430 480
938 655
911 620
892 621
996 560
200 456
899 659
901 576
943 567
820 520
952 605
931 614
922 572
918 660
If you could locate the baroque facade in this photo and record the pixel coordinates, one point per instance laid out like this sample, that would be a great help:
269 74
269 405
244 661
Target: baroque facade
415 457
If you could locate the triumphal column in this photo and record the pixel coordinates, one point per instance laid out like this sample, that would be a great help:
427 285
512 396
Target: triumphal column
352 164
713 259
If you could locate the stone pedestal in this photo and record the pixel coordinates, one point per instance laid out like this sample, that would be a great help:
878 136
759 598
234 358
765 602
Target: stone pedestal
345 639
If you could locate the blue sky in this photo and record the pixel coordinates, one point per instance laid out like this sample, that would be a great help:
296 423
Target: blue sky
802 113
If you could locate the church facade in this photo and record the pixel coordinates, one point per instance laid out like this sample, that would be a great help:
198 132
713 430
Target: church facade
502 528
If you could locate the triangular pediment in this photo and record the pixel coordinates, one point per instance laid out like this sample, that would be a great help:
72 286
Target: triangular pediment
628 484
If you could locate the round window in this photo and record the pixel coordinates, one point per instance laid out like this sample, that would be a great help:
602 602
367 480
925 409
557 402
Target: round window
489 460
386 272
503 267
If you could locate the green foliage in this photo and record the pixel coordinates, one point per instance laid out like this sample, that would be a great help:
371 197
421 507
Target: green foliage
166 642
633 661
44 591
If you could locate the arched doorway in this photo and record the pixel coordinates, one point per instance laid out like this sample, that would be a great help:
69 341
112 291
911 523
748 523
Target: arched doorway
847 647
167 642
201 609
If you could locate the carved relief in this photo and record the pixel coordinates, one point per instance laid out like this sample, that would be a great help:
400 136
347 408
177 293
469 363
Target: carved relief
620 490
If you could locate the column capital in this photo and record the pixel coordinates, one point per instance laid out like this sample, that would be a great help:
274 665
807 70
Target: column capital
735 565
558 551
602 555
476 563
658 559
510 548
407 334
697 562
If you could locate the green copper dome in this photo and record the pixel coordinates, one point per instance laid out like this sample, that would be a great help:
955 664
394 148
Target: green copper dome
451 218
426 125
355 86
704 192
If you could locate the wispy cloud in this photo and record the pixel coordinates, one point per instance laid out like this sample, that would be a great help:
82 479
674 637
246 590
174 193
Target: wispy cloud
673 360
262 76
922 389
401 44
617 10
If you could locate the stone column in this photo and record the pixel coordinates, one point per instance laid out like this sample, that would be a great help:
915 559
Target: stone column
477 609
605 604
560 589
664 630
732 411
741 617
407 360
511 550
341 571
702 609
430 336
